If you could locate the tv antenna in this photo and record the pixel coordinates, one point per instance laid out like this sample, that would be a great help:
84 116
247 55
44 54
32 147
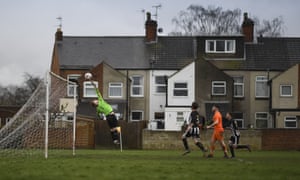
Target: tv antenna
60 21
156 10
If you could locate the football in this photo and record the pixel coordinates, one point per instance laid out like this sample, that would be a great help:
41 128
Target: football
88 76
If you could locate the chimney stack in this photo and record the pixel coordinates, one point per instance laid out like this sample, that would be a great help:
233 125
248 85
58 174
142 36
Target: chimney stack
248 28
151 29
58 35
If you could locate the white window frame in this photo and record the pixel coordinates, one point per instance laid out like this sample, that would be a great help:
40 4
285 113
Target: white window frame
288 119
69 86
239 84
141 86
88 84
261 81
181 89
286 95
110 85
159 85
207 50
265 119
138 111
239 119
180 115
213 86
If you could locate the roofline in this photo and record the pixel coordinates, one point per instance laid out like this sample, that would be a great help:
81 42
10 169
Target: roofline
240 69
162 36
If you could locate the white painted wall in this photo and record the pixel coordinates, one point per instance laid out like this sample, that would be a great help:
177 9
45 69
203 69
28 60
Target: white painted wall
171 123
187 74
157 100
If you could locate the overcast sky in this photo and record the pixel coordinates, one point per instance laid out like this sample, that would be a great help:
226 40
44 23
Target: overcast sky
28 26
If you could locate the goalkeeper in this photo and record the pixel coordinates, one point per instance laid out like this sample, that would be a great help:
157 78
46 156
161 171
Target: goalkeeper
106 109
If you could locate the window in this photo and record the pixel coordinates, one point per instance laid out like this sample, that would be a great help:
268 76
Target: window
115 90
220 46
71 88
261 88
261 119
239 117
180 89
137 86
160 84
136 115
290 122
159 115
89 89
180 117
218 88
286 90
238 87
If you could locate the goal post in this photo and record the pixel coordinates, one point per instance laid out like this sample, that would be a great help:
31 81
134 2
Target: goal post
46 123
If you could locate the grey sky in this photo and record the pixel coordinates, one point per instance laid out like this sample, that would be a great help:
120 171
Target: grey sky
28 27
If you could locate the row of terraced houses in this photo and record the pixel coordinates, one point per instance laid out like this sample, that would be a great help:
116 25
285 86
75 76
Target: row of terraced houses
156 78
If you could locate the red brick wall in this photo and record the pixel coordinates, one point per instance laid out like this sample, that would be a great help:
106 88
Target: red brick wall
280 139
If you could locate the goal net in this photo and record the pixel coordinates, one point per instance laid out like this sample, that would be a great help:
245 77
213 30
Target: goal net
46 123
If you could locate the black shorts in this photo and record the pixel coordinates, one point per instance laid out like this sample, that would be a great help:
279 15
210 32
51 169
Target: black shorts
235 139
193 132
112 121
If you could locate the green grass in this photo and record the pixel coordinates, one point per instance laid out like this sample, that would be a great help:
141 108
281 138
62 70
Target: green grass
112 164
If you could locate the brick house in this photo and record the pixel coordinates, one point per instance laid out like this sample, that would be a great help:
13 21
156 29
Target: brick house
156 78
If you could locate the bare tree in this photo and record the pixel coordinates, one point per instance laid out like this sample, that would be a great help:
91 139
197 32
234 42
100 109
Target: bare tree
198 20
269 28
18 95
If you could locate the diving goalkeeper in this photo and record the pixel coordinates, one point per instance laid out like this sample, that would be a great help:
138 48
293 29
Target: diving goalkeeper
106 109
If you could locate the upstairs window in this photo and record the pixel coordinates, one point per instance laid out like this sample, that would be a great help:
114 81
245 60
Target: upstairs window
238 87
286 90
72 90
115 90
89 90
137 86
180 89
160 84
218 88
261 87
220 46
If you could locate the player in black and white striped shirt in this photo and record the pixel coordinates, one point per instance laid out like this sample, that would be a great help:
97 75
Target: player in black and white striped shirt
194 123
235 136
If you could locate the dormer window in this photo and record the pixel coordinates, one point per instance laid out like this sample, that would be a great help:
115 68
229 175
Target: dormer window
220 46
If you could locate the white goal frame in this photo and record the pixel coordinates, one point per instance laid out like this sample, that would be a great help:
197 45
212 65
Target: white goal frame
48 86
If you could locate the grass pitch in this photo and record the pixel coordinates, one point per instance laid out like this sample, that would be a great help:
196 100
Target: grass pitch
112 164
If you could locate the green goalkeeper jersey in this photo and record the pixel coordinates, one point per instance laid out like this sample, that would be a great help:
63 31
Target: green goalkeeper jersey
103 107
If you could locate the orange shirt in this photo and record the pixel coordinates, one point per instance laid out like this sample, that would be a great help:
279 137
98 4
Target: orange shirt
218 117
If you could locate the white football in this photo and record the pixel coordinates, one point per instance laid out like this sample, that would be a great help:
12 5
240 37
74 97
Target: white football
88 76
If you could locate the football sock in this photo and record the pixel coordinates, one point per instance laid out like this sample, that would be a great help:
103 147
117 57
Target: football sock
115 135
185 143
200 145
232 151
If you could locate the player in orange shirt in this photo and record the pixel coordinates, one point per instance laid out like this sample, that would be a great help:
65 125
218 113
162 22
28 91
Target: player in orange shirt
218 132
